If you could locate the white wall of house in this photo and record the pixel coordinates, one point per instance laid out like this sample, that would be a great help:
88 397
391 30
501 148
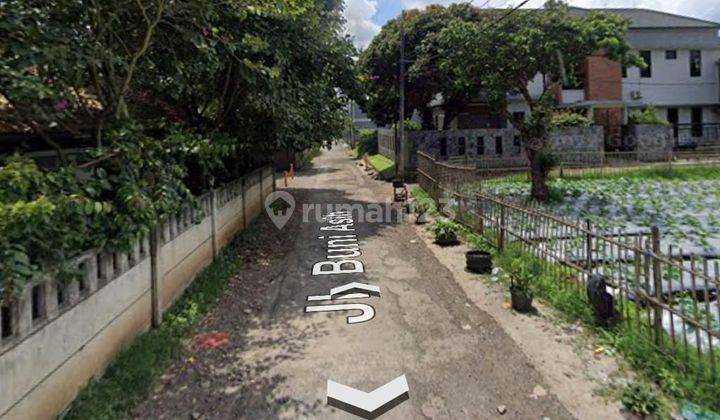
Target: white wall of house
671 84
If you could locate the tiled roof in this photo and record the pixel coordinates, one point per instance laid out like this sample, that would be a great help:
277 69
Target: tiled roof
645 18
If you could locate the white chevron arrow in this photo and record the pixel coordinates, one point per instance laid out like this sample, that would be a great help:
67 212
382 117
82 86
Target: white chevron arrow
368 405
355 287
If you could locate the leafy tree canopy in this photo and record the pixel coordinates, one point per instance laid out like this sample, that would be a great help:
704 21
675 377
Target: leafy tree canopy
501 58
378 64
179 96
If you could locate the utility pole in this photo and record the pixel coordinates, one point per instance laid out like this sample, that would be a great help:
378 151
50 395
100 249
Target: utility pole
400 141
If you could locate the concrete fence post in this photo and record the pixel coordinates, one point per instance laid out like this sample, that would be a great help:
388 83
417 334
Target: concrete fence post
50 298
213 222
156 305
24 320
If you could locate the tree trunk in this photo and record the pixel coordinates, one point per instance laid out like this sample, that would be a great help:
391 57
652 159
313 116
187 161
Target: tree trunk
538 176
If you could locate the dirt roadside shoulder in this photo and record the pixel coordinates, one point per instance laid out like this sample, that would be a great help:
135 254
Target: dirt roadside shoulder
563 354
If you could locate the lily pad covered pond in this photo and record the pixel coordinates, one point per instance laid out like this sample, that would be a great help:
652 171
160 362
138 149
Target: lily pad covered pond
687 212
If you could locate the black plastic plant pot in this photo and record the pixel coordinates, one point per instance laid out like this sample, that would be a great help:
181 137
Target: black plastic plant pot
447 240
479 262
398 183
521 302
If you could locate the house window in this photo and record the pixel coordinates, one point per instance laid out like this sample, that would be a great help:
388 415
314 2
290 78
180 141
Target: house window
518 116
624 71
647 58
498 145
443 147
696 115
695 63
461 146
671 55
480 146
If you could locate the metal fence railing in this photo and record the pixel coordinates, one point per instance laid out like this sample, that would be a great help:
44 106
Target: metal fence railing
696 135
667 295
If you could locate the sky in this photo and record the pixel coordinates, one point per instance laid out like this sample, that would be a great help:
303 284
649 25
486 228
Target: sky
366 17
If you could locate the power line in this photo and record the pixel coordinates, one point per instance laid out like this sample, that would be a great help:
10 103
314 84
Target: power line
491 24
511 11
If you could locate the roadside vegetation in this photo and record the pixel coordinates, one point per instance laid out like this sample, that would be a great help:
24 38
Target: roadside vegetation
368 144
173 99
660 172
384 166
662 382
132 376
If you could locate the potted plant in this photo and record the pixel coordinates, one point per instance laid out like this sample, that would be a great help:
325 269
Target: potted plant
478 261
445 232
521 294
421 209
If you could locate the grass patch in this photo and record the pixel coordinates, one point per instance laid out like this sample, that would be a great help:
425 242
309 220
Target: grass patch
654 173
131 377
419 195
385 167
658 173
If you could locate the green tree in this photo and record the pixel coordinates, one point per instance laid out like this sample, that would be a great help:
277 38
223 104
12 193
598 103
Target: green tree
502 58
378 64
176 94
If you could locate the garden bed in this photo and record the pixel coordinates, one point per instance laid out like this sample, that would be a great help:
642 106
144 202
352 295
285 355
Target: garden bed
685 211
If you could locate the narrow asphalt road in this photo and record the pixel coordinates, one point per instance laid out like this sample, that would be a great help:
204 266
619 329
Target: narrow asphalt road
458 362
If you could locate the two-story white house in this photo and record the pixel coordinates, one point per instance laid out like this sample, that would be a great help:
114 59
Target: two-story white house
682 78
681 81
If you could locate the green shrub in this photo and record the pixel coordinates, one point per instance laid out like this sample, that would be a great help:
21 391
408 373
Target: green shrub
421 207
641 399
411 125
419 195
368 144
646 116
570 119
522 272
445 230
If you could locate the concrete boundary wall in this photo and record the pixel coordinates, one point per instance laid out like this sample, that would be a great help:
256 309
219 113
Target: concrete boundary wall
62 335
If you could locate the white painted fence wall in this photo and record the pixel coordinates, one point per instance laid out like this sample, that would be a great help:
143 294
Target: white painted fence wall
47 358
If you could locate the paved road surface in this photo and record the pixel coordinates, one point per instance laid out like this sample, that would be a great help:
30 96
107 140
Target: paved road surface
458 362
